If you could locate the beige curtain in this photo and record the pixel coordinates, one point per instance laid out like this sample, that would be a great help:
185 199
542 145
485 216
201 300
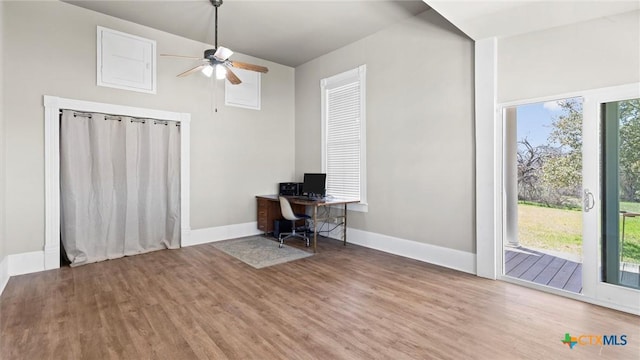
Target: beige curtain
120 186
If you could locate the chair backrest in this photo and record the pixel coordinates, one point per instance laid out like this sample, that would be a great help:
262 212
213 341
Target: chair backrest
286 210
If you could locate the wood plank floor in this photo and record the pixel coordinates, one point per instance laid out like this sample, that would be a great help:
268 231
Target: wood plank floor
342 303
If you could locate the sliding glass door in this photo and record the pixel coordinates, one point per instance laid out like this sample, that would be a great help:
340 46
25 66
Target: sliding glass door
582 173
620 144
612 169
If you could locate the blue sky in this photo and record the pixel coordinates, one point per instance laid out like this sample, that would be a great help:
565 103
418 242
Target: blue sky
534 121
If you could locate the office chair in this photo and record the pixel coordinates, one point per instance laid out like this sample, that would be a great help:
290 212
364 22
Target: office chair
287 213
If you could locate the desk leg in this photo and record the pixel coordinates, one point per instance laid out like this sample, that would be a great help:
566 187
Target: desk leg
344 235
315 228
622 242
623 220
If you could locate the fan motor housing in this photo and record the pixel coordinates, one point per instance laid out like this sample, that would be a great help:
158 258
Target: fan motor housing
208 54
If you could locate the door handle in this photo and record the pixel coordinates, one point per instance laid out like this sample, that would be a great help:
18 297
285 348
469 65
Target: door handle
588 200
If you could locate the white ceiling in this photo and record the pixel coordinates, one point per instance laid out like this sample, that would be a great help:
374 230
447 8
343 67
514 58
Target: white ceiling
484 19
286 32
292 32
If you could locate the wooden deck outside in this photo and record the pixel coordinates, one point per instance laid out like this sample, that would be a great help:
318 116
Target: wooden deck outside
544 269
630 275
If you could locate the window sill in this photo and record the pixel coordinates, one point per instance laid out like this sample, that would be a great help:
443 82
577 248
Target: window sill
360 207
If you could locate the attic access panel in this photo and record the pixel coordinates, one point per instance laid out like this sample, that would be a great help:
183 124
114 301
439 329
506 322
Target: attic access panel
246 94
125 61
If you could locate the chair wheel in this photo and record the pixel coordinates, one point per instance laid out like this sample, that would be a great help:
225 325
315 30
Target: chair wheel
280 245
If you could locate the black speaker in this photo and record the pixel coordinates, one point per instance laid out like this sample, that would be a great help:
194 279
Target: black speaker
290 189
281 226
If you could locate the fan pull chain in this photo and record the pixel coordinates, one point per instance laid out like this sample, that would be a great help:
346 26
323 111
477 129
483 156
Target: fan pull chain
214 105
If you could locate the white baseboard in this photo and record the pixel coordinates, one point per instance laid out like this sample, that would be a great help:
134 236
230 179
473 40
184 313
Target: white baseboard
437 255
207 235
19 264
450 258
26 263
4 273
52 257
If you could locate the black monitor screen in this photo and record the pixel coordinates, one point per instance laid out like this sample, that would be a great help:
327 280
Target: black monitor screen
314 184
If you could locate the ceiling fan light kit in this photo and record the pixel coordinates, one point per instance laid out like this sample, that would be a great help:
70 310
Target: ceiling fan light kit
221 72
207 70
218 59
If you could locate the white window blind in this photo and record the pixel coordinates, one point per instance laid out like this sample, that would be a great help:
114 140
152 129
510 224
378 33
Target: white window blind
343 141
343 125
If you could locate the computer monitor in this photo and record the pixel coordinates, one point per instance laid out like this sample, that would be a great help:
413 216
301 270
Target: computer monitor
314 184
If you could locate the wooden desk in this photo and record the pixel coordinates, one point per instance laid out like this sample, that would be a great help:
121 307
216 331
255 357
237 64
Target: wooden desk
269 210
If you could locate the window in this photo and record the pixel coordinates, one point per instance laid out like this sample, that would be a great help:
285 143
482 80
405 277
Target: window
344 135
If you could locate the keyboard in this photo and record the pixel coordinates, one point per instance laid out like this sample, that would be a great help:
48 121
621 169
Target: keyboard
308 198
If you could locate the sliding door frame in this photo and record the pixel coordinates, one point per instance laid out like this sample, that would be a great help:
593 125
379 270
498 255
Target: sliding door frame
501 237
594 291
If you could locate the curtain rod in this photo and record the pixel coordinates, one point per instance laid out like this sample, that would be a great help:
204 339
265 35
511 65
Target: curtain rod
119 117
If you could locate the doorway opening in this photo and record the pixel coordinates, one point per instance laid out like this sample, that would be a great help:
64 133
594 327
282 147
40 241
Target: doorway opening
543 193
52 106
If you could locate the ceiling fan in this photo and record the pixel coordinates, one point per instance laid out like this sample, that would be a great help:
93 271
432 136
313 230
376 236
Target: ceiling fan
217 59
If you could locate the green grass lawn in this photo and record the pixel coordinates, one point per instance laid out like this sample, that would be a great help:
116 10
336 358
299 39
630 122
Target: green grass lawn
561 230
629 206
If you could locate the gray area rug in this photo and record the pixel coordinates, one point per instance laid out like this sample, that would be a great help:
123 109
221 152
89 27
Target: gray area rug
260 252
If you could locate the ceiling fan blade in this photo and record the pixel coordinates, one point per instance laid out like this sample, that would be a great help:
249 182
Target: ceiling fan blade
182 56
222 53
232 77
247 66
192 70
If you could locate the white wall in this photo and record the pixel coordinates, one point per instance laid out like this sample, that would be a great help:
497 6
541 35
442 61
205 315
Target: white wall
587 55
2 137
420 137
50 49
